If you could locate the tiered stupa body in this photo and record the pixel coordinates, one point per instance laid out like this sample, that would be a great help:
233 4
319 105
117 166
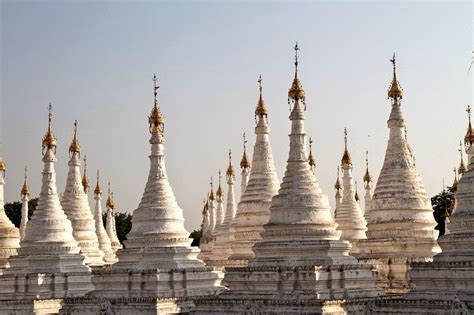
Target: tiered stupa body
48 266
158 270
76 207
104 240
221 250
300 265
253 210
349 218
25 197
400 221
9 234
110 226
444 286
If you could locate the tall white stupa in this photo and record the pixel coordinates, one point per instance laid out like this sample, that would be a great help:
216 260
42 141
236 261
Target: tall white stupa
25 197
253 210
400 222
76 206
110 225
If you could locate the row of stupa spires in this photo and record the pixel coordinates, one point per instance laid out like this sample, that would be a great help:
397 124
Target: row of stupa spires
97 243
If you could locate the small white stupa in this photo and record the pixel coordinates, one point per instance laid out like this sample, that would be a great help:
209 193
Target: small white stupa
110 225
25 197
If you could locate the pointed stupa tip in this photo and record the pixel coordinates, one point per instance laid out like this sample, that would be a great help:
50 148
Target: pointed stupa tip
156 120
367 177
3 166
206 206
337 185
25 190
455 182
219 192
110 199
296 91
211 194
75 147
462 167
469 138
261 110
395 92
356 195
244 162
311 160
230 168
97 190
85 180
346 157
49 140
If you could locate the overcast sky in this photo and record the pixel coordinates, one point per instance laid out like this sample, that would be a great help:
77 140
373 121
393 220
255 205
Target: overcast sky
95 60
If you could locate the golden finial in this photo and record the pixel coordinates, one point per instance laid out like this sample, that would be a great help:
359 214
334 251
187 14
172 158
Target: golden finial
156 119
311 160
211 194
206 206
25 190
356 195
462 167
338 186
346 157
230 169
3 166
49 141
455 182
97 189
395 92
110 199
296 91
261 109
85 180
469 138
367 177
244 162
74 147
219 192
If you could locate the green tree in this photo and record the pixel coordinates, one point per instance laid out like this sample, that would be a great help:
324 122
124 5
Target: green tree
196 236
13 210
443 205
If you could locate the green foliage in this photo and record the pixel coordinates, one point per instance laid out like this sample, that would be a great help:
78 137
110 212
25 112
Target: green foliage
196 236
13 210
443 207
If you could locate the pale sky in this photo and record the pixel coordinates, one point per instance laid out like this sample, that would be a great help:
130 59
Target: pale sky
94 60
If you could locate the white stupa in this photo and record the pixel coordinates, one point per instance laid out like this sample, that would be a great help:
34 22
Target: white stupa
300 265
349 218
253 209
367 186
104 240
400 221
76 207
9 234
48 264
110 225
208 228
245 169
25 197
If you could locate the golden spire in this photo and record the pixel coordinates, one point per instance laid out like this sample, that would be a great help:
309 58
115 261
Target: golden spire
49 141
296 91
206 206
156 119
261 109
211 194
455 182
3 166
367 177
311 160
395 92
219 192
74 147
230 169
356 195
85 180
338 186
244 162
110 199
346 157
25 190
462 167
97 189
469 138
